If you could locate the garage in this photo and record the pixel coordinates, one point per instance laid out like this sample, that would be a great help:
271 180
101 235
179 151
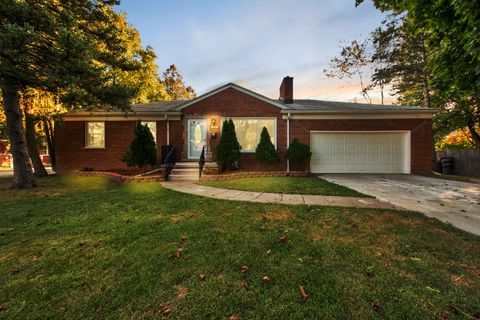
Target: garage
360 152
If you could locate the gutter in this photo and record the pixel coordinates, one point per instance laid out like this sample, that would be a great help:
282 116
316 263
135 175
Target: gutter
288 139
428 111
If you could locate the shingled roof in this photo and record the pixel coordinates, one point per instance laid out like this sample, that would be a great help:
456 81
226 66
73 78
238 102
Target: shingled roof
307 105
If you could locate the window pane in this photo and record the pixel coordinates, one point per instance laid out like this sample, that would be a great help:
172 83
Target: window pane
95 134
270 125
152 125
246 130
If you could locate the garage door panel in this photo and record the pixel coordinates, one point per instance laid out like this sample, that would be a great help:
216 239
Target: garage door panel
362 152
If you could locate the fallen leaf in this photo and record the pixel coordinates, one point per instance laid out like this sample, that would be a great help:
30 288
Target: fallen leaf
375 305
266 279
166 311
202 277
15 270
234 317
282 239
181 291
303 293
61 309
244 269
186 258
178 253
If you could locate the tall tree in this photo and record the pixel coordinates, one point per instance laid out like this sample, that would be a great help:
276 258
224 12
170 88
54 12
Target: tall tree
404 56
452 28
145 79
59 45
352 63
176 88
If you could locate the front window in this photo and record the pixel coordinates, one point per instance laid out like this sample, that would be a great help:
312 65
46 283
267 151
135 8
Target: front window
95 135
152 125
248 131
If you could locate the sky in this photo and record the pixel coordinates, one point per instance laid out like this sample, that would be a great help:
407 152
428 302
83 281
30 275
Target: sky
254 43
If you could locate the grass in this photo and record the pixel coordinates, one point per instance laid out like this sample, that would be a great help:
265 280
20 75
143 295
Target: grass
82 248
291 185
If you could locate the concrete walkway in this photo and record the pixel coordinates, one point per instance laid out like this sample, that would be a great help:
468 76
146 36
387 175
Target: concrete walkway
227 194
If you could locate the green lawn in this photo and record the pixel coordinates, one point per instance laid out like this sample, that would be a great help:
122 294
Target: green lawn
292 185
82 248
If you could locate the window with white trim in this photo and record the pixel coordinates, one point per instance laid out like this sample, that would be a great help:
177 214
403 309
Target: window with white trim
152 125
248 131
95 134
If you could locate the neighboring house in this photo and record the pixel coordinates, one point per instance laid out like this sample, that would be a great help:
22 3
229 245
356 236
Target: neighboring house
344 137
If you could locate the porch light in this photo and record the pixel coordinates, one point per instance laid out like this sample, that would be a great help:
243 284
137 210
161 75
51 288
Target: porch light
213 124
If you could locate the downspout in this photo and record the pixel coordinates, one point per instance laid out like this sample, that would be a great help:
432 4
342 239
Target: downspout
288 139
168 130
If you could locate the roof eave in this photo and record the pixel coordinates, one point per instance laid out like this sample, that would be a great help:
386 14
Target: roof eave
119 113
293 111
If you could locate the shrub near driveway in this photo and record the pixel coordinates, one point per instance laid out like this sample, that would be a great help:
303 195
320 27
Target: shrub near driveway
86 249
288 185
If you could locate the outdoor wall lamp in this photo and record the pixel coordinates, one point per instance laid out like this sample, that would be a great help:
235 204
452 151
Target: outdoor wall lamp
213 124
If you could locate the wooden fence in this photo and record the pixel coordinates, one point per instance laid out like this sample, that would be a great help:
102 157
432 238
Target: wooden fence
466 161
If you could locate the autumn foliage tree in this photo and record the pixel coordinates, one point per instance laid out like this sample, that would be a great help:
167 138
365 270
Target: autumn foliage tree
83 53
68 47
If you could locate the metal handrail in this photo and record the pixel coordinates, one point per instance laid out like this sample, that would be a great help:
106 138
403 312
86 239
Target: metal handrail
170 161
201 161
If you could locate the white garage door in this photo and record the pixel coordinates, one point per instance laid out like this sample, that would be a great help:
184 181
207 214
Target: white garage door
360 152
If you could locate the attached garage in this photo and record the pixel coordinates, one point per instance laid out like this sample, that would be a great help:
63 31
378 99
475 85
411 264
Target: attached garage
360 152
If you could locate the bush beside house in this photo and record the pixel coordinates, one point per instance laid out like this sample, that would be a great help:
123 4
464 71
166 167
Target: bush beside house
265 151
142 150
299 155
228 149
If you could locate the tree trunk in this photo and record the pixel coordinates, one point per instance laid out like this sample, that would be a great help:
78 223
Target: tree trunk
475 135
48 128
22 169
38 167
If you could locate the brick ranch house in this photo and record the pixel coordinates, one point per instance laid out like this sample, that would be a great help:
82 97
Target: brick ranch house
344 137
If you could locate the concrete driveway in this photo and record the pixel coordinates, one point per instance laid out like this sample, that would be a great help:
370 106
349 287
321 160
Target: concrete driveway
454 202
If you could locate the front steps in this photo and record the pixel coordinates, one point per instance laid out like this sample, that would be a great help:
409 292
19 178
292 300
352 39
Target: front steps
185 171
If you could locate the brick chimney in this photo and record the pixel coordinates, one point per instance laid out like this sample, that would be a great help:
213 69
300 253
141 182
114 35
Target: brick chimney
286 90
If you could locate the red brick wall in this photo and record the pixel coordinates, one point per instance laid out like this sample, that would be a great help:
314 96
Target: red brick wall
234 103
421 134
71 153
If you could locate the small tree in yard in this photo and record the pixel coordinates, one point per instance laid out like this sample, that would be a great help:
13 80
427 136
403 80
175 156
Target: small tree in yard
142 150
265 150
298 152
228 149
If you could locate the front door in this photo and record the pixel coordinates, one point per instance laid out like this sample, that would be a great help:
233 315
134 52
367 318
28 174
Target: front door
197 137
